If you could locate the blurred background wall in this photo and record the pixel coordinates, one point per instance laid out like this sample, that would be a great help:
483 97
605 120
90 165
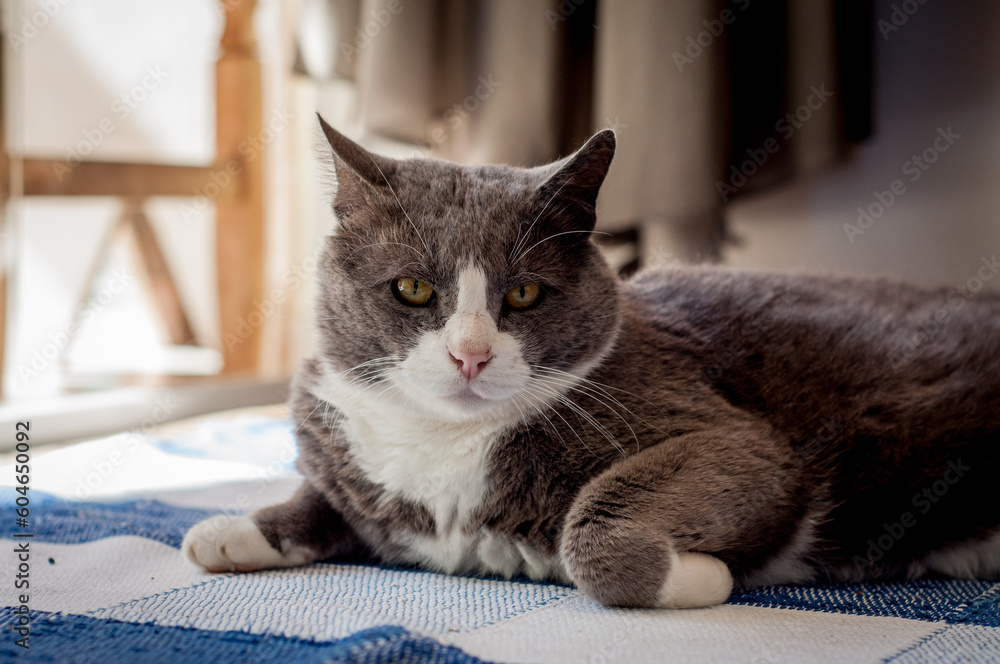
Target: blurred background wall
940 70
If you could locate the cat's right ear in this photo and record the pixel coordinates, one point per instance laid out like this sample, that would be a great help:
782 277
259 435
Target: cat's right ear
576 180
361 175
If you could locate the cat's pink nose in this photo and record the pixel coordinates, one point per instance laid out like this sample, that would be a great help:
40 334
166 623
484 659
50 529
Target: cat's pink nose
470 363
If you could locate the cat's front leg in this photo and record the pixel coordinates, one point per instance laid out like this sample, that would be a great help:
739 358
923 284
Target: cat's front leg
301 531
653 530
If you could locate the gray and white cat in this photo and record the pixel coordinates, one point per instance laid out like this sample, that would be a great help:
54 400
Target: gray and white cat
488 397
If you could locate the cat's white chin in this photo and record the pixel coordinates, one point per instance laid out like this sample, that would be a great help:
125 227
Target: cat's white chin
467 398
474 392
467 402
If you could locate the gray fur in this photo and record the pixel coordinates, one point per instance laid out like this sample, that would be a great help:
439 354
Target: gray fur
731 408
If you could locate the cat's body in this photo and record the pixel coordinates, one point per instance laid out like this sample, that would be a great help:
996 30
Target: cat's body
651 441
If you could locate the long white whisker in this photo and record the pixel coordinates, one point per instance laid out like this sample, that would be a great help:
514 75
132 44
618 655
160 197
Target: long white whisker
421 237
524 238
541 412
374 362
525 253
306 418
568 425
603 388
582 412
368 380
593 396
370 371
596 393
593 421
384 244
390 386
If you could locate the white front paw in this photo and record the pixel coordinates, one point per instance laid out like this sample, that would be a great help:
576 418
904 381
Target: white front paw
226 543
695 580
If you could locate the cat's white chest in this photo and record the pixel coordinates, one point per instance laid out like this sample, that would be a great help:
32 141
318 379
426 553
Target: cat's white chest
442 466
439 465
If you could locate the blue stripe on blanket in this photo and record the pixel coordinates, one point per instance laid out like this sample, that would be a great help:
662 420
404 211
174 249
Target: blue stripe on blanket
79 639
949 600
63 521
983 611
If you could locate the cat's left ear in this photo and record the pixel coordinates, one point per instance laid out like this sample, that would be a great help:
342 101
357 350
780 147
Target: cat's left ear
576 180
361 175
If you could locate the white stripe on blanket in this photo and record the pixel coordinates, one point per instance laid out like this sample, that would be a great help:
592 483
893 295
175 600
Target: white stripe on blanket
96 562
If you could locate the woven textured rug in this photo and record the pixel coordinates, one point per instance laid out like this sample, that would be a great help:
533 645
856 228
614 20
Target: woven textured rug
106 583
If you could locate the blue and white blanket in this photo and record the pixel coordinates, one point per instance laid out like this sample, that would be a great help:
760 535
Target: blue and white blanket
106 583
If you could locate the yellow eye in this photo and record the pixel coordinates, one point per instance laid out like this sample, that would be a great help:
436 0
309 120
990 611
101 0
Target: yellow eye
523 296
413 291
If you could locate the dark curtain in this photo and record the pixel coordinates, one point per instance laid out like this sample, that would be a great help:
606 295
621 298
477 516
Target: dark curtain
711 99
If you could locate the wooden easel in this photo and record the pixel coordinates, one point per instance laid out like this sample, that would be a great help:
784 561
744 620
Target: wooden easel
239 206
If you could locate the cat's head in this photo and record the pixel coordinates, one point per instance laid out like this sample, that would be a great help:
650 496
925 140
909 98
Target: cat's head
465 291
